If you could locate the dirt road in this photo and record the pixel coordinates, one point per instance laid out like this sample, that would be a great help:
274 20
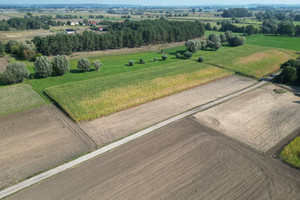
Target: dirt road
183 160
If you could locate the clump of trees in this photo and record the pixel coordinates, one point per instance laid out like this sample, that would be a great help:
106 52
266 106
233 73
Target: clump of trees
23 51
84 64
290 72
193 45
236 12
15 73
236 41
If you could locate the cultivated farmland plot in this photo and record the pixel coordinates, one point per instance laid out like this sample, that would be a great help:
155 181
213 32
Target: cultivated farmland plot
261 118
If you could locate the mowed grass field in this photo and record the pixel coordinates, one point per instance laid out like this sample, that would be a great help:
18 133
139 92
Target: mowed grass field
291 153
17 98
97 97
250 60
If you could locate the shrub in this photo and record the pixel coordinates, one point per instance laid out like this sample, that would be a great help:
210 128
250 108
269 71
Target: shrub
9 44
200 59
142 61
36 56
130 63
223 38
215 28
15 73
154 59
213 45
164 57
288 75
236 41
229 34
43 67
178 55
61 65
214 38
84 64
1 49
97 64
203 44
187 54
192 45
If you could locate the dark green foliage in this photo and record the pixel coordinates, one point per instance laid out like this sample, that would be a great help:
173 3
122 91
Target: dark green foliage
214 38
187 55
130 63
1 49
15 73
154 59
270 26
236 12
286 28
142 61
164 57
128 34
213 45
97 64
228 26
10 44
207 26
201 59
84 64
223 38
288 75
203 44
297 30
237 41
36 56
178 55
43 67
250 30
60 65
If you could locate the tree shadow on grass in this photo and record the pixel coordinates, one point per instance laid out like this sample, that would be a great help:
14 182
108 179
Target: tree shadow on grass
180 52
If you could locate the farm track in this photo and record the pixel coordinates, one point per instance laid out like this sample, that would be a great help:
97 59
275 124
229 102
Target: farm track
183 160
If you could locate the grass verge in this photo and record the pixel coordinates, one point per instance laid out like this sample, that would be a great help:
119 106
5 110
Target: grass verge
291 153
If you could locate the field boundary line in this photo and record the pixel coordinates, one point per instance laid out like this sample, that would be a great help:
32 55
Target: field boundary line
40 177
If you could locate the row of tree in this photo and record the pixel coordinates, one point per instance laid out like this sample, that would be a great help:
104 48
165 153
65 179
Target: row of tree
127 34
236 12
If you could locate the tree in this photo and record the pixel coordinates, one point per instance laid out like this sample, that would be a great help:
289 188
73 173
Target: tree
207 26
178 55
43 67
229 35
288 75
1 49
214 38
203 44
192 45
187 54
213 45
97 64
84 64
9 44
223 38
61 65
286 28
15 73
250 30
297 30
237 41
164 57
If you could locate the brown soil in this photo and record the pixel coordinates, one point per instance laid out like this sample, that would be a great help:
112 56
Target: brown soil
261 118
3 64
36 140
107 129
180 161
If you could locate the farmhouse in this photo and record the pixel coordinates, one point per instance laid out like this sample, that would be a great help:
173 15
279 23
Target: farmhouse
70 31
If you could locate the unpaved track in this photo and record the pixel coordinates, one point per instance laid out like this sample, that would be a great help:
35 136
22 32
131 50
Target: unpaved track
36 140
183 160
3 64
260 118
107 129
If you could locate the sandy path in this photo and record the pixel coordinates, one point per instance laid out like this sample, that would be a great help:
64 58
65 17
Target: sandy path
261 118
107 129
3 64
180 161
36 140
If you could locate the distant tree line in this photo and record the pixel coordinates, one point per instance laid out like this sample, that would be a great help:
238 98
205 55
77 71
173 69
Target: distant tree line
236 12
128 34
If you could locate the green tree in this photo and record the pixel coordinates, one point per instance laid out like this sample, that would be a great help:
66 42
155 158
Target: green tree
187 54
193 45
130 63
237 41
201 59
43 67
229 35
61 65
97 64
288 75
1 49
213 45
223 38
214 38
142 61
286 28
15 73
297 30
250 30
84 64
9 44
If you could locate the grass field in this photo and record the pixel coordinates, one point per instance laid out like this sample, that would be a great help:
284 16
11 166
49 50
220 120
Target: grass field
253 61
291 153
16 98
97 97
275 41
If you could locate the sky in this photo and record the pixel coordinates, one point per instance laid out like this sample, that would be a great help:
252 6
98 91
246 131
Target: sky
153 2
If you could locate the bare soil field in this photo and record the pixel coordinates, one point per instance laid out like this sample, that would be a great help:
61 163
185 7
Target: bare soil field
260 118
183 160
107 129
36 140
24 35
3 64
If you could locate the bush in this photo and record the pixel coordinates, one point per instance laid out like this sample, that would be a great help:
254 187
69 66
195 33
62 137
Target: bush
154 59
43 67
213 45
236 41
201 59
61 65
9 44
203 44
15 73
192 45
178 55
36 56
288 75
229 34
223 38
84 64
1 49
97 64
187 54
142 61
130 63
164 57
214 38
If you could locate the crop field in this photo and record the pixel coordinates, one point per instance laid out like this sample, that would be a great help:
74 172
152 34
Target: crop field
291 152
260 118
250 60
102 96
17 98
275 41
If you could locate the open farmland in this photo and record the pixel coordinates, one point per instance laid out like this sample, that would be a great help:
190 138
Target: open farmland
261 118
16 98
283 42
36 140
102 96
250 60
